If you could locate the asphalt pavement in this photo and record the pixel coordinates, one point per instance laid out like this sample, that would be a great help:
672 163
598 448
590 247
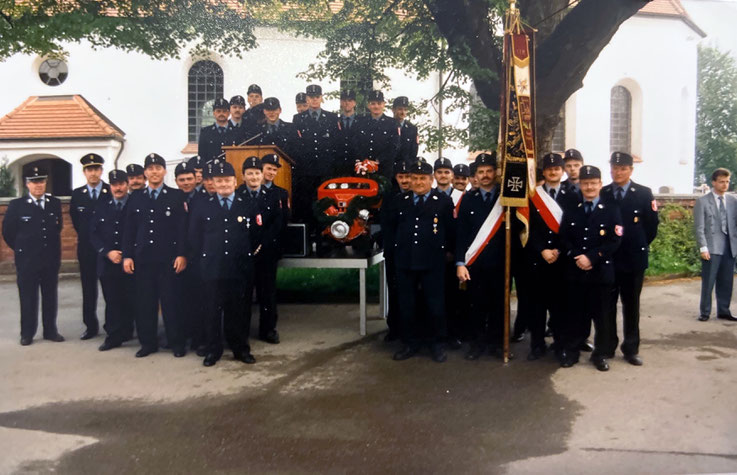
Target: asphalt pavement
326 400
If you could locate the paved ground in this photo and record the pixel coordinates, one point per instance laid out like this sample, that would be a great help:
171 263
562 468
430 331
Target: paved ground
326 400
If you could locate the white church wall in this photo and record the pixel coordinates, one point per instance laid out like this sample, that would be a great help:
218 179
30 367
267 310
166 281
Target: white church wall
655 58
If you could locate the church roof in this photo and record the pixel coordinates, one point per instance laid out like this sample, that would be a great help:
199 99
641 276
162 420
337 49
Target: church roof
57 117
670 8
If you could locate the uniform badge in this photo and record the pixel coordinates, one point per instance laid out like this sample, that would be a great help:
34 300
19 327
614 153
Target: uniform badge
435 220
654 205
168 213
435 231
259 221
104 190
618 230
602 232
240 219
637 218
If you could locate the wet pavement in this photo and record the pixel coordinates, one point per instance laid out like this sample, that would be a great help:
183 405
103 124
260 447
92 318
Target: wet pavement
329 401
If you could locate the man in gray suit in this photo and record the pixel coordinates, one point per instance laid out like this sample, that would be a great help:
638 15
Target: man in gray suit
715 222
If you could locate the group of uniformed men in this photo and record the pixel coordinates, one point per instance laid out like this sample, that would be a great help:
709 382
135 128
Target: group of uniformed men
153 245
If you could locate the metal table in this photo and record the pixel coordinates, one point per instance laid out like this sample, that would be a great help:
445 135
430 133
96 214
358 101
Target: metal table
349 262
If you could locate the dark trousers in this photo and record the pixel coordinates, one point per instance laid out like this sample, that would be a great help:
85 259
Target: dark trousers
192 304
156 282
486 290
118 289
586 302
412 326
29 281
265 283
549 283
304 195
454 314
522 273
719 271
627 286
228 312
88 275
392 316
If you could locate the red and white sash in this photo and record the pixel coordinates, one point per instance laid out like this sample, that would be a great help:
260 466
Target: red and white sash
549 209
488 229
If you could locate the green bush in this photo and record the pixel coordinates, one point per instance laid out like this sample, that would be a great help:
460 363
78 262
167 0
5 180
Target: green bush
674 250
7 182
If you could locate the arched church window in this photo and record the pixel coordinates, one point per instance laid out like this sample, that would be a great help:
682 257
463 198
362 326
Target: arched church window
205 84
620 125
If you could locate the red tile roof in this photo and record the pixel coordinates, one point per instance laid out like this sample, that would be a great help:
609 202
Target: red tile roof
670 8
57 117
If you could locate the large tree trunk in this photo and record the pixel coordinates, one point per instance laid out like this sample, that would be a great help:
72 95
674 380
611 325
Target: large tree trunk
565 51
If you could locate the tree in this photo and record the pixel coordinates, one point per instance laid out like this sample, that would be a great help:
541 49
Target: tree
456 39
716 114
7 181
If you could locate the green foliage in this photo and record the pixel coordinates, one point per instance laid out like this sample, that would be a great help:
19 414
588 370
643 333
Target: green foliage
7 181
716 114
157 28
674 251
324 285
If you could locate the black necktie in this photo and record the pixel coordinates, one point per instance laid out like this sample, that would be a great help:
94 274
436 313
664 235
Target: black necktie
225 203
552 192
94 193
254 194
420 200
315 115
118 206
487 198
588 206
38 203
620 193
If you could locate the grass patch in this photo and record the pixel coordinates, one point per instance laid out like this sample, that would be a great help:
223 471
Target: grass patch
325 285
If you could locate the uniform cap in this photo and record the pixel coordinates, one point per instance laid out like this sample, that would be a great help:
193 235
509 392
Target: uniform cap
485 159
117 176
552 160
254 89
443 162
196 163
421 167
313 90
589 171
401 166
237 101
376 96
300 98
252 162
36 173
223 169
271 104
183 168
154 159
621 158
272 159
91 160
461 170
207 171
134 169
573 154
401 101
349 94
221 103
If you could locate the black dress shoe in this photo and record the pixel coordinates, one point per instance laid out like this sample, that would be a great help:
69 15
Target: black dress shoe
730 318
703 318
536 354
391 336
56 338
210 359
108 345
88 334
634 360
600 363
454 344
271 337
144 352
179 352
26 340
586 347
516 338
438 354
405 353
245 358
474 352
566 359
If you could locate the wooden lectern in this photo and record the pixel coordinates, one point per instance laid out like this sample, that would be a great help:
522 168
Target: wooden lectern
237 154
